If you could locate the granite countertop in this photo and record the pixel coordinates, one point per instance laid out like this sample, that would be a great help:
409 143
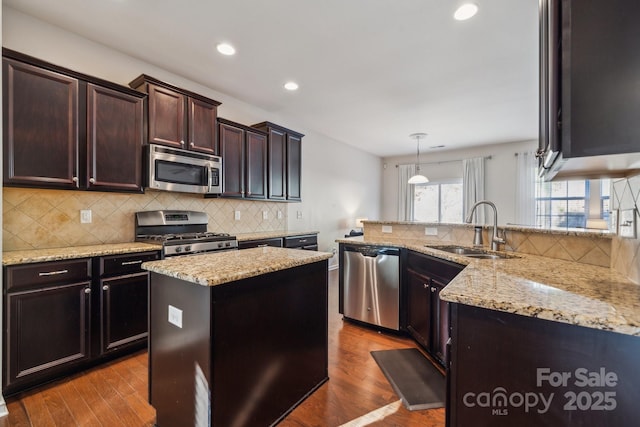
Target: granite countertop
56 254
511 227
243 237
222 267
541 287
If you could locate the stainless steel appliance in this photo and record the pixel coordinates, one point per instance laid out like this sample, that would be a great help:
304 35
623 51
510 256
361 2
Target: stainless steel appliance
371 276
181 232
172 169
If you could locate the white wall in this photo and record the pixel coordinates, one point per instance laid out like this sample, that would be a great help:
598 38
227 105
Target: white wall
500 175
339 182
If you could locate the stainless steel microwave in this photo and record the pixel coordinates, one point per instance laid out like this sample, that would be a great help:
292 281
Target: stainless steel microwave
172 169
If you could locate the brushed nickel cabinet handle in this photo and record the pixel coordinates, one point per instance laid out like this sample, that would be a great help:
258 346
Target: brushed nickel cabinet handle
53 273
105 288
92 180
87 290
139 261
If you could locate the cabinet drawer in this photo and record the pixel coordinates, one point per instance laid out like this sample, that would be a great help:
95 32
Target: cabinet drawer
277 242
441 269
299 241
19 277
125 263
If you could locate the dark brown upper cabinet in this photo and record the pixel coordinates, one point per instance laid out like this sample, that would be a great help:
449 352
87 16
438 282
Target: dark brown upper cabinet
284 162
244 153
114 137
67 130
177 117
589 106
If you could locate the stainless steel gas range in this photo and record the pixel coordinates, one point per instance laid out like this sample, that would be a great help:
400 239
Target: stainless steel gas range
181 232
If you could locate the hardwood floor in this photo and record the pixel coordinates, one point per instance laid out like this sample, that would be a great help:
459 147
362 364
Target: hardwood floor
115 394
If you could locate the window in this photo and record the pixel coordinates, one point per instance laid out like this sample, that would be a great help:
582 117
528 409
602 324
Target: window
566 204
438 202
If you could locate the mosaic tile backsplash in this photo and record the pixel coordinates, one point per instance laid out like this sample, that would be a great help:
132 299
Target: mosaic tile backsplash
39 219
625 252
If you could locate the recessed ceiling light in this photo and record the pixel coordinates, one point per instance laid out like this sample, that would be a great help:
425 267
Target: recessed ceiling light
466 11
291 86
226 49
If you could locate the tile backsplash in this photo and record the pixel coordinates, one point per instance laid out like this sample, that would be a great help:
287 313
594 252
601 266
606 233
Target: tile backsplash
585 248
38 219
625 252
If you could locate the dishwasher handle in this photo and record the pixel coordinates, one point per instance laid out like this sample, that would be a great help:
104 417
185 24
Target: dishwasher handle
373 251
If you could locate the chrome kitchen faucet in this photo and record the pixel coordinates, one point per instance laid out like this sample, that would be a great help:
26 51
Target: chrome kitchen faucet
495 240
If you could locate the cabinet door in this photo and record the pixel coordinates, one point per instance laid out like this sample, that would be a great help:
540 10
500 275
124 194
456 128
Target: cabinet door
166 117
40 127
123 311
231 149
294 167
419 308
256 166
441 322
202 126
47 331
114 136
276 175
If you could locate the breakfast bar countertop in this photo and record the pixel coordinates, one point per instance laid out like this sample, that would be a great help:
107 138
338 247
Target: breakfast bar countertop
537 286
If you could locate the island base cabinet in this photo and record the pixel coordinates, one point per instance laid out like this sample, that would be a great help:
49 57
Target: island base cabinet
243 353
511 370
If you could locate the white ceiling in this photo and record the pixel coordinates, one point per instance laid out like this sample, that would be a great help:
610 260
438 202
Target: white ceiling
370 71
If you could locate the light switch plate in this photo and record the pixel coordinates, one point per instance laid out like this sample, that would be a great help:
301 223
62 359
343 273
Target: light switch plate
265 215
236 215
279 214
387 229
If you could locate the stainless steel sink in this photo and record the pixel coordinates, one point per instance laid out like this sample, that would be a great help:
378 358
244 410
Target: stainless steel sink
477 253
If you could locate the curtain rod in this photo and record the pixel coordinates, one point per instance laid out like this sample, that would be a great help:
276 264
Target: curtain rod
443 161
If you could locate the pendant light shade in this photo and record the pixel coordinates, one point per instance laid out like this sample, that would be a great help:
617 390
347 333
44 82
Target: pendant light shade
418 178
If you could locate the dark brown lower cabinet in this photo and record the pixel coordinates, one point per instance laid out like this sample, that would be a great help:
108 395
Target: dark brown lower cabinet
307 242
427 315
248 244
60 318
47 333
123 311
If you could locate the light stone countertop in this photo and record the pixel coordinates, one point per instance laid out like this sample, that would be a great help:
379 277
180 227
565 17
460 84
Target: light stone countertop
243 237
606 234
57 254
541 287
222 267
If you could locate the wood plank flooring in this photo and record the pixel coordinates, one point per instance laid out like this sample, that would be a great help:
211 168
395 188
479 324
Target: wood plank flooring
115 394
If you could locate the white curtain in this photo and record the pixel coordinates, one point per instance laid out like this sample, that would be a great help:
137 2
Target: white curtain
526 188
473 187
405 192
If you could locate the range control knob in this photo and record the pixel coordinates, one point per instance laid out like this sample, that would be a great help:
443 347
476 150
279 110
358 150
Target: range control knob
178 249
187 248
220 245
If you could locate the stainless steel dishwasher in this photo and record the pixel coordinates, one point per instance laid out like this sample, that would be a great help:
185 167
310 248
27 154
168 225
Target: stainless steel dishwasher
371 290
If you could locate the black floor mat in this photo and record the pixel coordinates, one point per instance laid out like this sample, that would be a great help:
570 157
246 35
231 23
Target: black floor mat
415 380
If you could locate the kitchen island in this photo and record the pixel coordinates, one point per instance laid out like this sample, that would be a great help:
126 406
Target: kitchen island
236 338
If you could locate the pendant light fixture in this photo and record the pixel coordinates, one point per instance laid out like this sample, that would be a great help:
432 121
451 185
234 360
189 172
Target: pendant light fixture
418 178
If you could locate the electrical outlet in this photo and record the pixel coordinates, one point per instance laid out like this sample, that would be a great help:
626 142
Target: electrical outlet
265 215
236 215
85 216
299 214
387 229
430 231
175 316
279 214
